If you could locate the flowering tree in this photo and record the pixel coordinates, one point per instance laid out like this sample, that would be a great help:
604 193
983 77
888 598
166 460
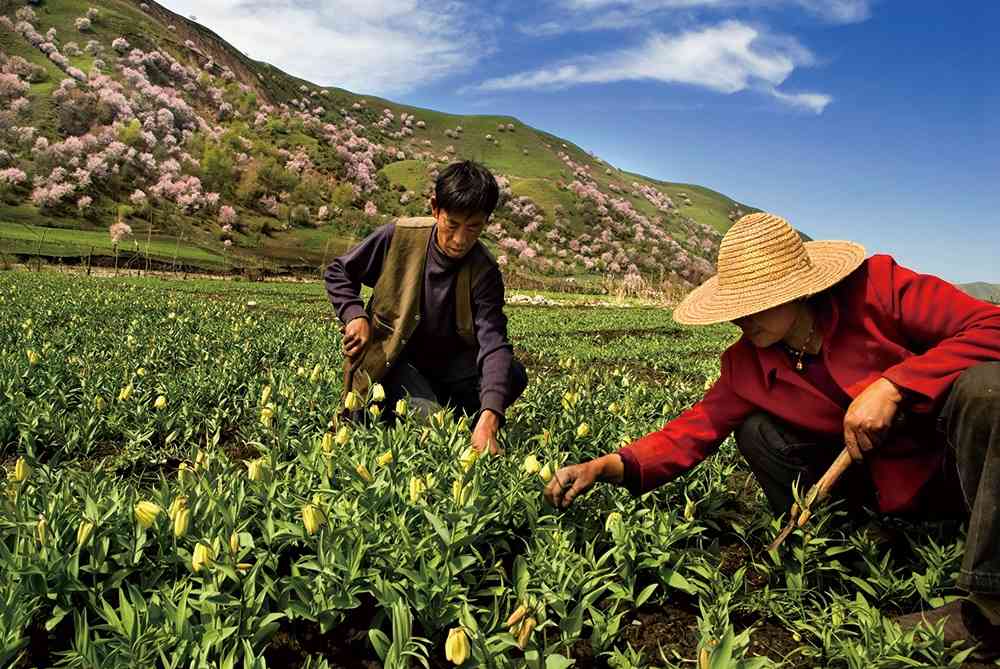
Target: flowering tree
118 231
227 215
82 24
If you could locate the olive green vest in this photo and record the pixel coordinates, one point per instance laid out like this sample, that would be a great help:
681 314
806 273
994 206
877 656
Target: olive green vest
394 308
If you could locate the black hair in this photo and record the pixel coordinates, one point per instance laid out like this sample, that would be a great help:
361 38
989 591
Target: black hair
467 188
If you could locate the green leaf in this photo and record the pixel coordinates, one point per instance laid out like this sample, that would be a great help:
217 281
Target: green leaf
557 661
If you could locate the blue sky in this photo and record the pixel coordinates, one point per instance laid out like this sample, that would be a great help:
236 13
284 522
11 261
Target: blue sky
870 120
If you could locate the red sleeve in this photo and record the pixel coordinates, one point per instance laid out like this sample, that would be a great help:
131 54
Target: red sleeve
950 330
686 440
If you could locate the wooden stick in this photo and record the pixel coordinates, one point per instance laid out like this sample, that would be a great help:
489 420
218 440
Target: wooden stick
817 493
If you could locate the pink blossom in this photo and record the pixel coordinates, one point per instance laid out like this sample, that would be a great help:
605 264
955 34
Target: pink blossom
82 24
371 209
227 215
120 44
84 203
227 243
12 176
119 231
92 13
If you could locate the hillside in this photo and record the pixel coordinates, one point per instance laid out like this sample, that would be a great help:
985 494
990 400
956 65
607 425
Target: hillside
984 291
116 110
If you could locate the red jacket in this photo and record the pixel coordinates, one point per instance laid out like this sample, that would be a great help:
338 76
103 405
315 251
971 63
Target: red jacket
883 320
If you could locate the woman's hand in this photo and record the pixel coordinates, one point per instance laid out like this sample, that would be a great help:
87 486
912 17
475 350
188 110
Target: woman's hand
870 416
571 481
356 336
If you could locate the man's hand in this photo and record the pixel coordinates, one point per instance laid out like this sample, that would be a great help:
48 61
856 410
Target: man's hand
571 481
356 336
484 436
869 417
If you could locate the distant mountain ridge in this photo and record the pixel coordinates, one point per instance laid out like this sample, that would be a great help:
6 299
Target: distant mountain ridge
984 291
125 110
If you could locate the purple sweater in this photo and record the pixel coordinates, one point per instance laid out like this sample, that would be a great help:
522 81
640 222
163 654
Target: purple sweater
436 338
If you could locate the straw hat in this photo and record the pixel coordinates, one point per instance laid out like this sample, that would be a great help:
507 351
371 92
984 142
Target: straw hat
763 263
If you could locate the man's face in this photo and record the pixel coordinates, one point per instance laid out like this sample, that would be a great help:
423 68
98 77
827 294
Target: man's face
456 232
768 327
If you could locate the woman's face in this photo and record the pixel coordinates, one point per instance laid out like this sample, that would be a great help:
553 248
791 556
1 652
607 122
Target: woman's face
770 326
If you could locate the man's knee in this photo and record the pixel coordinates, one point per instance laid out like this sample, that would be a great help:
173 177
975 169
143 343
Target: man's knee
979 385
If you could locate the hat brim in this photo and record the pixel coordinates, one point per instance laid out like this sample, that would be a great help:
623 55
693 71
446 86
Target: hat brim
709 303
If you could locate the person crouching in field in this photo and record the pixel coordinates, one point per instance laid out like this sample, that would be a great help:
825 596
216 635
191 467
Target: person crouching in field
901 368
434 329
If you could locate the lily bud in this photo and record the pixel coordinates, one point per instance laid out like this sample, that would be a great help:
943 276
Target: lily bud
363 472
704 658
255 469
384 459
526 628
460 493
613 408
417 488
267 415
516 617
265 395
83 533
689 510
40 529
327 443
468 458
613 521
531 465
22 470
202 557
180 502
183 472
182 520
312 518
401 408
317 371
301 371
582 430
353 401
378 393
98 404
160 403
32 357
234 543
343 436
546 472
146 513
804 518
125 393
456 647
375 410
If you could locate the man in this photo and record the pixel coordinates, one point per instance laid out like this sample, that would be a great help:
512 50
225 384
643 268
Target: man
434 329
901 369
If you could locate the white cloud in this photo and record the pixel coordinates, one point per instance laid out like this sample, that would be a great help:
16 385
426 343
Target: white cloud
590 15
727 58
376 47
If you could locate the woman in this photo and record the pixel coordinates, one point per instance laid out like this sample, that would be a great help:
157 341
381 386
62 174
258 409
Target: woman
901 368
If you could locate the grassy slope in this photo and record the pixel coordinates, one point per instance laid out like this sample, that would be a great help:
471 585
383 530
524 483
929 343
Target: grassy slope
527 156
984 291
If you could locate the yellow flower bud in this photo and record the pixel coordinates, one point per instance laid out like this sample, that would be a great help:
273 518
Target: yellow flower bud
704 658
301 371
146 513
180 502
267 415
516 617
160 403
352 402
384 459
363 472
315 375
613 521
343 436
202 557
182 520
569 400
255 469
378 393
460 493
327 443
83 533
468 458
401 408
531 465
141 371
375 411
312 518
183 472
32 358
689 510
456 647
582 430
265 395
234 543
525 633
438 418
22 470
546 472
98 404
613 408
125 393
417 488
40 529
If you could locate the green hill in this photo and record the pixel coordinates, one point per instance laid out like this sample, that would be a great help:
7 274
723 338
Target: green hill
139 99
984 291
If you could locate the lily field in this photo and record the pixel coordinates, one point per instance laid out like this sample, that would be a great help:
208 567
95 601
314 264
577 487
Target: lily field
178 494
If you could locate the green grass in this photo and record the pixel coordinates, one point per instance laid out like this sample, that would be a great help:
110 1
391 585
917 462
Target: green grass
35 239
411 174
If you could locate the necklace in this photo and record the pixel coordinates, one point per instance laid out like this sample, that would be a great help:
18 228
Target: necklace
798 354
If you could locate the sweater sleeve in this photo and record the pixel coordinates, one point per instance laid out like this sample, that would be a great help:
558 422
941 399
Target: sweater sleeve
950 330
686 440
360 265
495 351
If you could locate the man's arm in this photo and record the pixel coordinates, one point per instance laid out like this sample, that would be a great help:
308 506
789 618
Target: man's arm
495 350
360 265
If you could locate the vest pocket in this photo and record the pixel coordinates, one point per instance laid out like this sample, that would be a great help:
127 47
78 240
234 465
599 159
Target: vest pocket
382 324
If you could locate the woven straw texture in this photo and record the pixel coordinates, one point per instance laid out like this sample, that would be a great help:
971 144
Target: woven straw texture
763 263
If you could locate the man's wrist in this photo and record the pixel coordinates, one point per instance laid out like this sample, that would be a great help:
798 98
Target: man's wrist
611 468
489 419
